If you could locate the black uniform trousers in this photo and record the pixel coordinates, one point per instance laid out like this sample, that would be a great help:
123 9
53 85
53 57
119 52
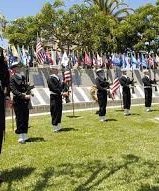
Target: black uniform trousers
102 101
2 118
148 96
126 97
56 108
21 110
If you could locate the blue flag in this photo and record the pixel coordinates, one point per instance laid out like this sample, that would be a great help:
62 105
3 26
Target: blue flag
143 61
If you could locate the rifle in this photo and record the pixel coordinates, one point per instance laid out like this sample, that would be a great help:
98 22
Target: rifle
28 86
155 81
132 84
28 90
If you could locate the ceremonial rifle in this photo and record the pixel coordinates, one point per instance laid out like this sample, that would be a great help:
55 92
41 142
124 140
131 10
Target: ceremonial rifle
107 79
155 81
132 84
28 86
132 74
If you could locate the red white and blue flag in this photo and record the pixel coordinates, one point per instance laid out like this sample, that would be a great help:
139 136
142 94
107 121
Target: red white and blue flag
115 86
87 59
40 52
67 76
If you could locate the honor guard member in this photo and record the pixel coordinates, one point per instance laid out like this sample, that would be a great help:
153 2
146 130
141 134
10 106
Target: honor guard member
147 82
18 87
56 93
4 94
125 82
102 92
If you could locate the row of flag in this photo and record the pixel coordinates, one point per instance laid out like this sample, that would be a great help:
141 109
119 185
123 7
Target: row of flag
127 60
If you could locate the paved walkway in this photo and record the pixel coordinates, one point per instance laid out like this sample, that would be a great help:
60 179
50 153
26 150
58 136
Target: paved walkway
78 110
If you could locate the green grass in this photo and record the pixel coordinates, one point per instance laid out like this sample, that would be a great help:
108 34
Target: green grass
119 155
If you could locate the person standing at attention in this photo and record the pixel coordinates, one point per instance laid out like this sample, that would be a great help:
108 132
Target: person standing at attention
102 92
4 95
147 82
125 82
18 87
56 93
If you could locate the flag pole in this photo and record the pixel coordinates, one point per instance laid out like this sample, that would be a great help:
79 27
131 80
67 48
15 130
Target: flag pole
120 94
73 104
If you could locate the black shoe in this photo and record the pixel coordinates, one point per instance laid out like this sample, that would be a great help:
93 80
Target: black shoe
1 180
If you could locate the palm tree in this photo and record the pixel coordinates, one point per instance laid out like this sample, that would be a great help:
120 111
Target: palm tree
116 8
2 24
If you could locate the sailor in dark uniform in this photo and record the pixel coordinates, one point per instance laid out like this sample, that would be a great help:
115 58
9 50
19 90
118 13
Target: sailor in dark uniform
4 94
125 82
56 93
147 82
18 86
102 92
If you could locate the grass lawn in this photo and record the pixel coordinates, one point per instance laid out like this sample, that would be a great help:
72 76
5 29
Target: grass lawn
119 155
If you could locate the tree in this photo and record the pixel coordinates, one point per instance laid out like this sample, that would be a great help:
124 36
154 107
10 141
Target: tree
87 28
3 23
115 8
138 28
22 31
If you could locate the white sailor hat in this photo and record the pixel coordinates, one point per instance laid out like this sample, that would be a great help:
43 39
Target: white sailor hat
15 64
123 70
145 71
55 67
99 70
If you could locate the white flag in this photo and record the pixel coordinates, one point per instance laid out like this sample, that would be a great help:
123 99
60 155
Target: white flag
99 60
53 56
157 59
65 60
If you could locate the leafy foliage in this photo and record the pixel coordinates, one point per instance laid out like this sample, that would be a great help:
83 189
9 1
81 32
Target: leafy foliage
88 28
138 28
115 8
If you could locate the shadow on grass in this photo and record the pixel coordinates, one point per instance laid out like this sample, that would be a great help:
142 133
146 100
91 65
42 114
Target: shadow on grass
46 175
36 139
119 110
134 114
111 119
93 181
94 173
73 116
155 110
97 112
16 174
149 188
68 129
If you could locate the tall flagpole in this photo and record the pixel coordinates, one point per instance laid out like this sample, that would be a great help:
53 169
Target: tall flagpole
73 105
72 91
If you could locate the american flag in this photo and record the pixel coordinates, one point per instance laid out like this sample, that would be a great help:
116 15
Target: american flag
49 58
115 86
87 59
40 52
150 61
67 76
